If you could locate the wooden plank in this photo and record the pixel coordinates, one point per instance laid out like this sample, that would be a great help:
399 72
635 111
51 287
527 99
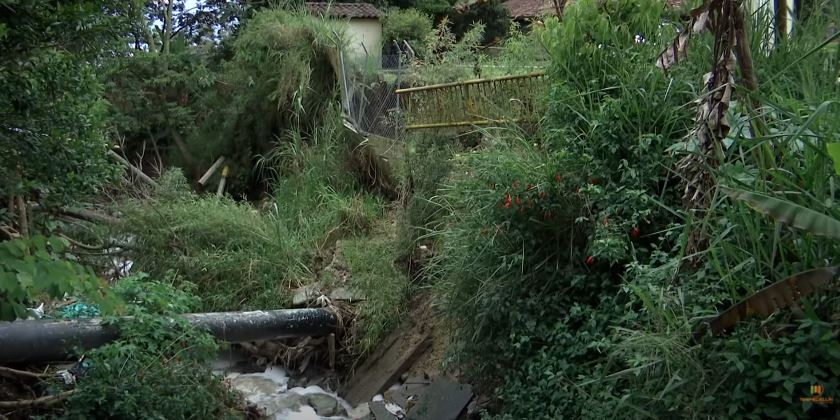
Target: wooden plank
211 171
384 367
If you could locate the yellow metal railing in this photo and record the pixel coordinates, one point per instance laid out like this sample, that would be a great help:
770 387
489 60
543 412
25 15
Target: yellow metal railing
473 102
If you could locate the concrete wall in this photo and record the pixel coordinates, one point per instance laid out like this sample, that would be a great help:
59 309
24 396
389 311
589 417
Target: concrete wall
767 10
367 33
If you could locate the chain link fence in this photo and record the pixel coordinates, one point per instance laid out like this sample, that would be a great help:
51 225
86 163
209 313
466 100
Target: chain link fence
370 102
373 108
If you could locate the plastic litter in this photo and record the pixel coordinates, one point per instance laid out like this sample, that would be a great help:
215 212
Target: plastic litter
36 313
69 376
395 409
66 377
78 310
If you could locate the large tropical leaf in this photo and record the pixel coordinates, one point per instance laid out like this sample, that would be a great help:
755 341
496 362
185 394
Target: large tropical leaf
834 152
791 213
782 294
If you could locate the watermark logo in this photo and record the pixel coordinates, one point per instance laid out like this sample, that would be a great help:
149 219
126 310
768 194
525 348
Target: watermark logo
817 397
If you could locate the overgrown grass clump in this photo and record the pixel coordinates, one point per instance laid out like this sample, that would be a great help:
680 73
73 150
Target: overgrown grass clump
281 83
243 258
382 286
428 161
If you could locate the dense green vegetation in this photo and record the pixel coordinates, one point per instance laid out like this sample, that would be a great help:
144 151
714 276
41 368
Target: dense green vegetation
563 261
158 360
180 97
571 258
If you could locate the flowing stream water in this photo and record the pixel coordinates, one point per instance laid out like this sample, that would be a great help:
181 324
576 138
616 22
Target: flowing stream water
269 390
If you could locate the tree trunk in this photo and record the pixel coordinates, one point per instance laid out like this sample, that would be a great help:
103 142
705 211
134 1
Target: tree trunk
764 155
23 215
147 30
167 28
182 147
781 20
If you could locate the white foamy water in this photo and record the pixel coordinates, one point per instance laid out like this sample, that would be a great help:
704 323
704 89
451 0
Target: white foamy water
270 391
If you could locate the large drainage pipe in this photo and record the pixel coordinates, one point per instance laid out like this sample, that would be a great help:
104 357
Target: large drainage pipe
51 340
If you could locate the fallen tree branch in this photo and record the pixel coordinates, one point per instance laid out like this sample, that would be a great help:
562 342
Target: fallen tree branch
15 374
81 244
90 216
133 169
42 401
7 233
81 214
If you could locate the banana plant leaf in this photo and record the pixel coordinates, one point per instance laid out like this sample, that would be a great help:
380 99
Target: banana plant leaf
779 295
790 213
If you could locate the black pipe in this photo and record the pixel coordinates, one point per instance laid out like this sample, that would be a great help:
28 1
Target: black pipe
50 340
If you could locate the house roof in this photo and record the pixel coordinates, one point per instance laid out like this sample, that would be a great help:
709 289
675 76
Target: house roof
526 9
343 10
523 9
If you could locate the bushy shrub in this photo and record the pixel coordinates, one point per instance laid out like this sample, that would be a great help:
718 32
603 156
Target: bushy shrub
278 84
762 380
53 137
156 102
158 368
37 267
493 15
513 277
408 25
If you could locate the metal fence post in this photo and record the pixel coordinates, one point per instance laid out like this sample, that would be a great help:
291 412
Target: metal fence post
397 131
345 85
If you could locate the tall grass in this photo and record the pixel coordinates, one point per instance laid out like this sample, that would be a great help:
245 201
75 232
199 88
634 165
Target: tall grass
383 288
280 83
244 258
749 250
428 163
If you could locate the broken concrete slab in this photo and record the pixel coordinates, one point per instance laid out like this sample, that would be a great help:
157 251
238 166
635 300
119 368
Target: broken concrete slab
345 294
379 412
406 395
325 405
305 294
416 379
442 400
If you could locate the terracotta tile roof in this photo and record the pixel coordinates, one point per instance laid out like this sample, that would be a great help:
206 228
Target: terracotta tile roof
344 10
525 9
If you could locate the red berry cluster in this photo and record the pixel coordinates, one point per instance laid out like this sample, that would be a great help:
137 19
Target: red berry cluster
524 200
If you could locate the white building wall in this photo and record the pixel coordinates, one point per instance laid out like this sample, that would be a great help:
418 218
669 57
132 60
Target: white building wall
365 37
767 10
